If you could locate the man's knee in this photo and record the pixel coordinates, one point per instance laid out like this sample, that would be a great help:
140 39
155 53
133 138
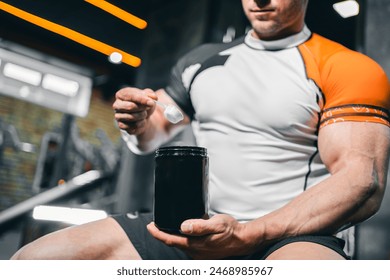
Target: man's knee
28 252
52 246
103 239
32 251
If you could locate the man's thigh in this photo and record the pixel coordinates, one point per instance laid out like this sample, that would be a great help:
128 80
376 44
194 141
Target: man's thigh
103 239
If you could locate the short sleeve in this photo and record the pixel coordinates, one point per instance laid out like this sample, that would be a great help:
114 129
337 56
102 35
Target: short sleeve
354 87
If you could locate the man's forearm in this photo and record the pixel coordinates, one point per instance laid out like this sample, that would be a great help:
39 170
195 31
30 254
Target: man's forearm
337 202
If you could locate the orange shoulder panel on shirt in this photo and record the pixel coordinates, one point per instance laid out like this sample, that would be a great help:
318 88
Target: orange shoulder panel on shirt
354 86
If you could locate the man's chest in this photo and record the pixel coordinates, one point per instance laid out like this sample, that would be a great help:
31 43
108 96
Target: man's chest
256 90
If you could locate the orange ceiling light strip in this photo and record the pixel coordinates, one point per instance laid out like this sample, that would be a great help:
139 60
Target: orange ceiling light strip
70 34
119 13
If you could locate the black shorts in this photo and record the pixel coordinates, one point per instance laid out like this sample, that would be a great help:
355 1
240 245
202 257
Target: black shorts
150 248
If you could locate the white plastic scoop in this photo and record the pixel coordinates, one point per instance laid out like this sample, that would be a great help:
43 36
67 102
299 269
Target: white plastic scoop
171 112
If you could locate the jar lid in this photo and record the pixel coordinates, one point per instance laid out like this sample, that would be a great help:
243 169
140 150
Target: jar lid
181 151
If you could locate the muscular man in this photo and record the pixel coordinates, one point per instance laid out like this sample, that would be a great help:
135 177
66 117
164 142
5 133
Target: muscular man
297 131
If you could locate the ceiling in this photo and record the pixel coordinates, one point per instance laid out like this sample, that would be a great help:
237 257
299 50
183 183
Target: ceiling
85 18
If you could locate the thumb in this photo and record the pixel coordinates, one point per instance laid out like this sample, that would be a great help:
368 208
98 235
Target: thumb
199 227
150 93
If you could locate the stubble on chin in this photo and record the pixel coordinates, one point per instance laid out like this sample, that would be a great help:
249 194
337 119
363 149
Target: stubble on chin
263 30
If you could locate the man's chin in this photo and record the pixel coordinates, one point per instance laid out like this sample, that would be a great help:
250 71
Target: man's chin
264 30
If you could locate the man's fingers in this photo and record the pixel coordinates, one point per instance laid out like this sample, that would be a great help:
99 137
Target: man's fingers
121 106
141 97
133 117
168 239
150 93
132 108
132 127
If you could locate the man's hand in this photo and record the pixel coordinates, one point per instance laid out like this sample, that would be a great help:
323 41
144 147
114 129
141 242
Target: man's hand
132 109
218 237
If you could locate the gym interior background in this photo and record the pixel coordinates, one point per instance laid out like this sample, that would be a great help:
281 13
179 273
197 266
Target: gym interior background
45 142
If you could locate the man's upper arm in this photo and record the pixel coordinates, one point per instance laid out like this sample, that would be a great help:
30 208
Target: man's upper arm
359 152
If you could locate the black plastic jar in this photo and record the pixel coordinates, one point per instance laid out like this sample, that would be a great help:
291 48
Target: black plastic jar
181 186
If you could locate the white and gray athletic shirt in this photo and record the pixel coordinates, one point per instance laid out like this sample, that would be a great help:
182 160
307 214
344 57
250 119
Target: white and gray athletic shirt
258 106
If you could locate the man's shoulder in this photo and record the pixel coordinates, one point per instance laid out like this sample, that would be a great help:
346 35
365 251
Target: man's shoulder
325 50
204 51
346 77
328 55
323 47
